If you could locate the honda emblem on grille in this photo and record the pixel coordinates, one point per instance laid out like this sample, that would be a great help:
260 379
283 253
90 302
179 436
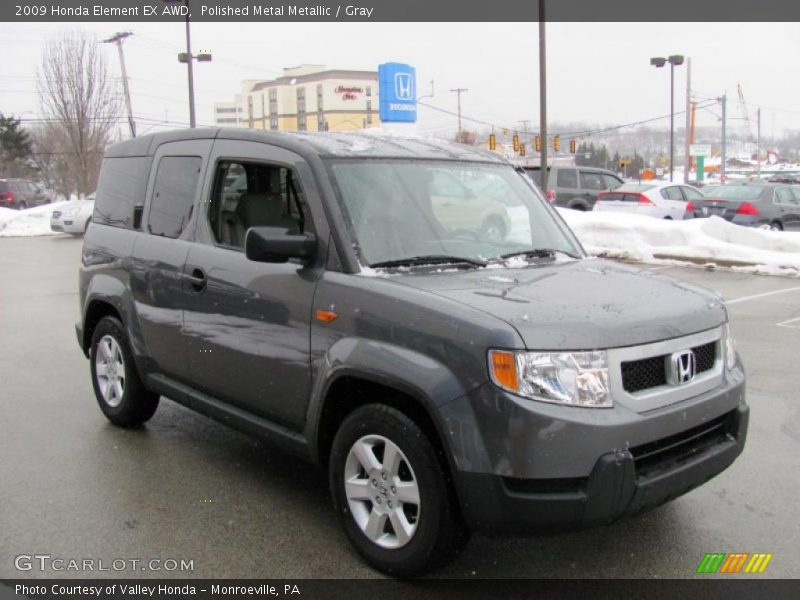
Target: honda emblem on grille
682 367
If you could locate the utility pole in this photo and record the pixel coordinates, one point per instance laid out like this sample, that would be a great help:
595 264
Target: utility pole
758 143
723 157
117 39
687 164
542 98
458 91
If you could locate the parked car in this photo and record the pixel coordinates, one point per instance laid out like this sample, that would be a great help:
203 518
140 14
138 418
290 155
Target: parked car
449 381
73 217
21 194
575 187
659 199
759 204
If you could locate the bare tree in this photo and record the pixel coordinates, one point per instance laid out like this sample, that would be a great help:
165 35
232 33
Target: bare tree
80 101
54 165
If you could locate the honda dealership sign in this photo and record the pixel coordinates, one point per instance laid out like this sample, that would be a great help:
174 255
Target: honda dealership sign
397 93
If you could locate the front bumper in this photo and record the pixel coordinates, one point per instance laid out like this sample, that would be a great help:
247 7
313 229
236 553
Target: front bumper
591 467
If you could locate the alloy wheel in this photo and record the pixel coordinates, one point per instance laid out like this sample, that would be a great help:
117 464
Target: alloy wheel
110 370
382 491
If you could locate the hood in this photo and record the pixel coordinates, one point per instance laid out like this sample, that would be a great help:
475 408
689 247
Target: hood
582 304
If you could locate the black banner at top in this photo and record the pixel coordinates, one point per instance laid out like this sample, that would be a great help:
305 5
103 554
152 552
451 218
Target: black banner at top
400 10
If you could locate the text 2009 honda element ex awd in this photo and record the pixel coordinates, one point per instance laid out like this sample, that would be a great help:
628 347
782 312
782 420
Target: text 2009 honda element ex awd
412 315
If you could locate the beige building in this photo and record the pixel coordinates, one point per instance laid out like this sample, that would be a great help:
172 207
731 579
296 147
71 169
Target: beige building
228 114
310 98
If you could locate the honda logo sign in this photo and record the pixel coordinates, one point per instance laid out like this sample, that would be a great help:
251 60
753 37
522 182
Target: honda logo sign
682 367
403 86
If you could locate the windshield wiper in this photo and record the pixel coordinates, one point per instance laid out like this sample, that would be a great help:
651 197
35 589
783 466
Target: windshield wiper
431 259
539 253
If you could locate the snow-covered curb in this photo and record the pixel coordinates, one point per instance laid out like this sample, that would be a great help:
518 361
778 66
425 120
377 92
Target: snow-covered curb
711 241
28 222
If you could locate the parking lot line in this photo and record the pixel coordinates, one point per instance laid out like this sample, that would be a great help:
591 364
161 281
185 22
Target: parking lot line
791 323
746 298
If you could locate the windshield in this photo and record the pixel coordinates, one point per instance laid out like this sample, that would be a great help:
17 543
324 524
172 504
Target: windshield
405 209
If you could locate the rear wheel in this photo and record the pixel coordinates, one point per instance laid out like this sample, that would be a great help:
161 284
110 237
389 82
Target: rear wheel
776 226
22 205
391 494
117 387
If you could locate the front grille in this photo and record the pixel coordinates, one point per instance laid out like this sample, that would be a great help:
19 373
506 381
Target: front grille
651 372
705 356
673 450
643 374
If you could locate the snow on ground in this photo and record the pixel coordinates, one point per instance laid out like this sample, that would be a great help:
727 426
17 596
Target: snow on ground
31 221
698 241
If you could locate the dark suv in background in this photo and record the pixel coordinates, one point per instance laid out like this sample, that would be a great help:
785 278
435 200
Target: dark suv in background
21 194
575 187
338 296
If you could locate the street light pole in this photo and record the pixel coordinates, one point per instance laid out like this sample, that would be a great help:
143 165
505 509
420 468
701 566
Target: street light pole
190 71
542 98
674 61
188 58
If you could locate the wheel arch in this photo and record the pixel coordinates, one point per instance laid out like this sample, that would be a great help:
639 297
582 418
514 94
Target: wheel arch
349 389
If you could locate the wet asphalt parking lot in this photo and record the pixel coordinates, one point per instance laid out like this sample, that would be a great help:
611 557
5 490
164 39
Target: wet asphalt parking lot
183 487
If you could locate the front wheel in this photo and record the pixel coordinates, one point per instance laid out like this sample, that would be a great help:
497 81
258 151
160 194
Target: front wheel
391 493
117 387
776 226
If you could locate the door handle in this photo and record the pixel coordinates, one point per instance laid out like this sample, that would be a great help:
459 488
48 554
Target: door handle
196 279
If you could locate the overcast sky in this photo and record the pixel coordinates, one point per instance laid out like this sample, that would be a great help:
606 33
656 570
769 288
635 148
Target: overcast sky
597 72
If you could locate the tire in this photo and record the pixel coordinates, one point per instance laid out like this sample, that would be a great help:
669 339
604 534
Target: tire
120 393
578 206
776 226
86 227
22 205
493 229
433 529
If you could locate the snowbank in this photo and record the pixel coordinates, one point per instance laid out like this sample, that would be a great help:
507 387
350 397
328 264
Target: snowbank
31 221
699 241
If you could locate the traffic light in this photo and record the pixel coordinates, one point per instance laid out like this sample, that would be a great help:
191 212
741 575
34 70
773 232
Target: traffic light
515 140
556 143
573 146
537 143
522 149
492 142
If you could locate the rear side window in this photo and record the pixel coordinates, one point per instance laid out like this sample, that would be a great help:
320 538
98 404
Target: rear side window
173 195
672 193
3 186
592 181
567 178
122 185
784 196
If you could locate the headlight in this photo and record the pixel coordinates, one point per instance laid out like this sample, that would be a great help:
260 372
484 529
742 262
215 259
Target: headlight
730 351
571 378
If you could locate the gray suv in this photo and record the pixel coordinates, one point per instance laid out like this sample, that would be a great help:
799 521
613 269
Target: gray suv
316 291
575 187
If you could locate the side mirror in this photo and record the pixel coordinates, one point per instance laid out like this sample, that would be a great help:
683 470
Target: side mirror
277 245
